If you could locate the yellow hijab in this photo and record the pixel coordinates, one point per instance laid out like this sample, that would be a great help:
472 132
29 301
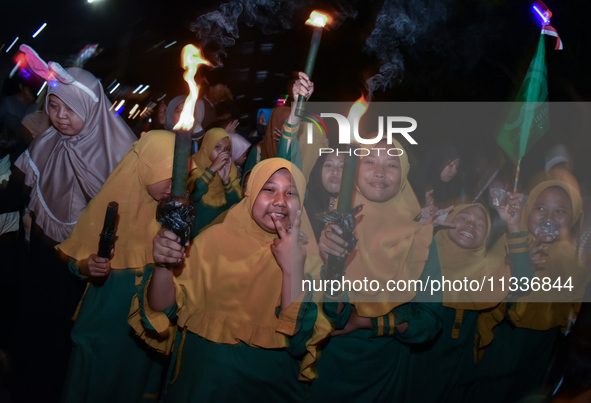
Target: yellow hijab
474 264
215 196
148 161
561 262
391 246
230 288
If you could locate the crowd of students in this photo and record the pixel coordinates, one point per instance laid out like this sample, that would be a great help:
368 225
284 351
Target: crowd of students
224 317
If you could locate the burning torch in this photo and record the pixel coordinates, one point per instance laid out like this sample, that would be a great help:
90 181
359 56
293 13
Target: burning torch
318 20
177 212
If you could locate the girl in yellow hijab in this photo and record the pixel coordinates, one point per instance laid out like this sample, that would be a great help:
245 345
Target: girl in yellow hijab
215 182
535 321
240 335
108 363
459 252
375 324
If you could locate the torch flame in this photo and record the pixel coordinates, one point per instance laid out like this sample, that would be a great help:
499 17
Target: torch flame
358 109
318 19
190 59
355 113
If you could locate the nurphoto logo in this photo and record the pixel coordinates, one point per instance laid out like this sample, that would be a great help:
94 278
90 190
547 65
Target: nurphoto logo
349 133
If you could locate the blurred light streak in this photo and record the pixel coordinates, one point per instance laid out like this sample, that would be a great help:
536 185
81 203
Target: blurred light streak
39 30
114 88
42 87
12 44
120 105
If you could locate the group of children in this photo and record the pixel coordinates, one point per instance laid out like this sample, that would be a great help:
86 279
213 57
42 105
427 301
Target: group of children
225 317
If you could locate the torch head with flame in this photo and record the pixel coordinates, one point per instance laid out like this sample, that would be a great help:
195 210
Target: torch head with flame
191 59
355 113
318 19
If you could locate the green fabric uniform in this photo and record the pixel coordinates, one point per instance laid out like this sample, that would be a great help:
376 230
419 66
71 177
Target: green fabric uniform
515 364
254 157
108 362
214 372
371 365
501 375
448 360
205 371
205 213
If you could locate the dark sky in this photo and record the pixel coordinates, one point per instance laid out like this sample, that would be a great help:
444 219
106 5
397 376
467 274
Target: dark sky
455 50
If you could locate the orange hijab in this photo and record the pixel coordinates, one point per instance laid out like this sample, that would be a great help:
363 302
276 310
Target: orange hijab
230 288
474 264
215 196
562 261
391 246
149 161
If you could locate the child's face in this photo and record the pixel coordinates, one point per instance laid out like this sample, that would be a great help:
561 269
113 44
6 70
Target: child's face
332 170
277 198
162 113
471 228
160 190
379 176
224 144
552 205
241 160
450 170
64 119
177 113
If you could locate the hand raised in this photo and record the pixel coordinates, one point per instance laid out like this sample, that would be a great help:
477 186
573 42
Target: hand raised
303 86
288 248
223 158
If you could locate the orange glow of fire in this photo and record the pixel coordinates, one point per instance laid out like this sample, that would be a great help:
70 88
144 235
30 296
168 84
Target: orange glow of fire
190 60
355 113
318 19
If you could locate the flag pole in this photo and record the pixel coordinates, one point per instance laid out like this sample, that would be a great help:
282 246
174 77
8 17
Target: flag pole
517 175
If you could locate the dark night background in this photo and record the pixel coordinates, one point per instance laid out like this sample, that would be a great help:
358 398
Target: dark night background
437 51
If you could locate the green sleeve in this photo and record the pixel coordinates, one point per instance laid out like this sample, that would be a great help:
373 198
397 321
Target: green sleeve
200 189
421 314
518 255
251 161
307 315
432 271
145 311
73 268
330 306
232 197
291 153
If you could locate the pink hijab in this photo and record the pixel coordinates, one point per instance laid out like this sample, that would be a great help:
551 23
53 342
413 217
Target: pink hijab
65 172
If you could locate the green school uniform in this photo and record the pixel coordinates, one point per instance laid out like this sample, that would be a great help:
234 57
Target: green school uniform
109 363
448 361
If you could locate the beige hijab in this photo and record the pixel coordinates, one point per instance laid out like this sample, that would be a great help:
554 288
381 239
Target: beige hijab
65 172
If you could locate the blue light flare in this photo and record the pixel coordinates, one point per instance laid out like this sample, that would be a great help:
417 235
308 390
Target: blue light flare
540 15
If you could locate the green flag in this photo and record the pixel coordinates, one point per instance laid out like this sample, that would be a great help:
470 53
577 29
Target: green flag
528 120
